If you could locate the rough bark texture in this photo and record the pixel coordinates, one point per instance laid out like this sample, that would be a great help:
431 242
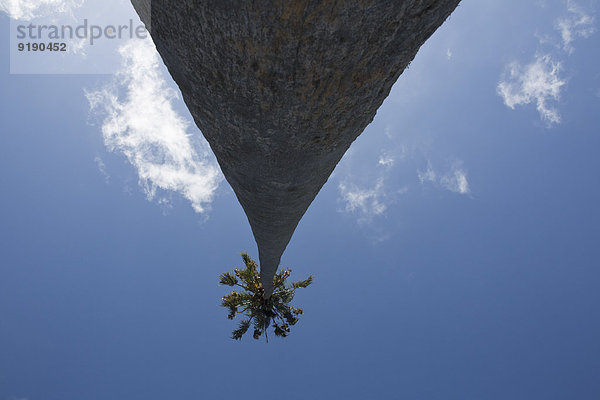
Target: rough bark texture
281 88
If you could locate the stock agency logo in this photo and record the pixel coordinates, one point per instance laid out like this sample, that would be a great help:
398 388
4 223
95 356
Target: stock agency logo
85 31
85 38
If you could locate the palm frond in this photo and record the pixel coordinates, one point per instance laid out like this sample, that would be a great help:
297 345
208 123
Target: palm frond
228 279
303 284
243 328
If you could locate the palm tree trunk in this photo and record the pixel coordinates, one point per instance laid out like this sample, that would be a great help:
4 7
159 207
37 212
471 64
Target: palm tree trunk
281 88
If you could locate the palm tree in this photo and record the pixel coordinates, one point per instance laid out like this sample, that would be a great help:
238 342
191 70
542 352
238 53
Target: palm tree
258 310
280 89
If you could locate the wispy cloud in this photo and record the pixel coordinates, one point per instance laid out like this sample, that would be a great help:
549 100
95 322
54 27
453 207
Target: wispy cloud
577 23
364 202
141 123
538 82
454 180
27 10
386 160
102 168
428 175
365 195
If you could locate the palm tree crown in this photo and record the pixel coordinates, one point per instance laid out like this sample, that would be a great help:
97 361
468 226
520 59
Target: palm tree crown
258 310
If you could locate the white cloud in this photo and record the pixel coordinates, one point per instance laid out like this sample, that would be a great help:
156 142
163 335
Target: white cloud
77 46
456 181
538 82
143 125
27 10
102 168
367 203
386 160
578 23
364 191
388 132
428 175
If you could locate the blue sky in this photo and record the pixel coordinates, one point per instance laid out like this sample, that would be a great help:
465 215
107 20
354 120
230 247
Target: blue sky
455 248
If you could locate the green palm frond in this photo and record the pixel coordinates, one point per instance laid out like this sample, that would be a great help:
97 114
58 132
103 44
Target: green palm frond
303 284
243 328
228 279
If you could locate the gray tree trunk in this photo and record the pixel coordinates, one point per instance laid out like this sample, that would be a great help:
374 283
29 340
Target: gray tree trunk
281 88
